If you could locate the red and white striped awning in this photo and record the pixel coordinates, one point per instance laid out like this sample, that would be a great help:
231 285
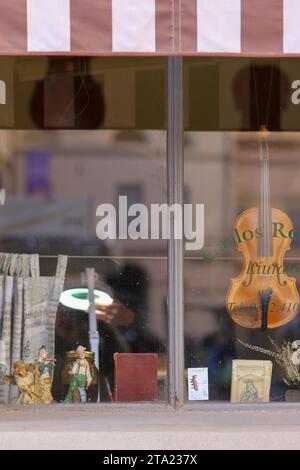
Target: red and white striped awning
108 27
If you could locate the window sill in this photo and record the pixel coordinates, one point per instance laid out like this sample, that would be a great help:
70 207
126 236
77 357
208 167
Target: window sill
138 426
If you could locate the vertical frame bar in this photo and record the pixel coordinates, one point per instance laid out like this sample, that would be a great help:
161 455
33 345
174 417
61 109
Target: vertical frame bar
175 249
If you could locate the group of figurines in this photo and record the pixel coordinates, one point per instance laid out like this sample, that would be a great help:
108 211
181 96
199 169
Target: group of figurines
34 381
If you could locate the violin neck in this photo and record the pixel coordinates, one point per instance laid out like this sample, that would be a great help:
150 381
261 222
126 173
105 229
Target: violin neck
265 218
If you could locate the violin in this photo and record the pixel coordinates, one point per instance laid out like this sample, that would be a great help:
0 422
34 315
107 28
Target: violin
263 295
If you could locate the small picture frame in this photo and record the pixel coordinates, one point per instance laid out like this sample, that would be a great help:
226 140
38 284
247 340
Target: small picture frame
198 383
251 381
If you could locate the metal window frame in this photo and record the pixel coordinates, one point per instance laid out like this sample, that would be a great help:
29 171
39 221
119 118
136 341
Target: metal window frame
175 131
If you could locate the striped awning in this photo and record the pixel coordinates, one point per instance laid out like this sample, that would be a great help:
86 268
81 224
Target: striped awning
109 27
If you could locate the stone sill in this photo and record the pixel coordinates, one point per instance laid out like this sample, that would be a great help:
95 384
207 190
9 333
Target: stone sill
151 426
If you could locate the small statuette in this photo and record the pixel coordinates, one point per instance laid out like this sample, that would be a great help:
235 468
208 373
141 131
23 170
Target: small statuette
24 378
81 378
43 373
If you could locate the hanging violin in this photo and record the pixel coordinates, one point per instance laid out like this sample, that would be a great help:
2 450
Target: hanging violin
263 295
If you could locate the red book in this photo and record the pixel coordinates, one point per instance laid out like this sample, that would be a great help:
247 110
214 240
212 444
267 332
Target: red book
135 377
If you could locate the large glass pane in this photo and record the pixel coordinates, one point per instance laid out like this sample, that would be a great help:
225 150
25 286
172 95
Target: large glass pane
255 316
81 152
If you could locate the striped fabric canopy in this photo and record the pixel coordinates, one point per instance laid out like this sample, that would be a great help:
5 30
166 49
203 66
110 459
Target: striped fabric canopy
109 27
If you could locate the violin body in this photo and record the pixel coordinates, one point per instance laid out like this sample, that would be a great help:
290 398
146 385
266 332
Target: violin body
263 295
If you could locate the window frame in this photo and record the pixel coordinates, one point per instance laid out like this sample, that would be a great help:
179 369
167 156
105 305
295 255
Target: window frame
176 381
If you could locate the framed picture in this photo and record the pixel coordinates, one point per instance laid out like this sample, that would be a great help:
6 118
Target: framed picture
198 383
251 381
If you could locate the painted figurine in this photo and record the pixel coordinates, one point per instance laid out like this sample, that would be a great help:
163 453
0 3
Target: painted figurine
81 378
25 380
43 370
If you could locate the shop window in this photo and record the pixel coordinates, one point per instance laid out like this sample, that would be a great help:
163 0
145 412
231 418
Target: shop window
61 159
234 312
75 138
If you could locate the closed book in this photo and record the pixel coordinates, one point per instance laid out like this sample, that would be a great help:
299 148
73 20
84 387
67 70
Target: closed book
135 377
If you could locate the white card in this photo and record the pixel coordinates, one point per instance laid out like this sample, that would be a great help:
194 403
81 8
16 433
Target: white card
198 383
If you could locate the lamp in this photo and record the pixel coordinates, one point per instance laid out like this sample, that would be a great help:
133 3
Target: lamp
77 299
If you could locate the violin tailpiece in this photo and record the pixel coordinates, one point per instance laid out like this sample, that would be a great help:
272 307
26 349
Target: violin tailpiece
265 297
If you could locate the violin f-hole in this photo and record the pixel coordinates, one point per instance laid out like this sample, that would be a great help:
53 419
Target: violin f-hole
248 282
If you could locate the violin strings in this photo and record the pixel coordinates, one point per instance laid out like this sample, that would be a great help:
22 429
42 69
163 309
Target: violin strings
266 247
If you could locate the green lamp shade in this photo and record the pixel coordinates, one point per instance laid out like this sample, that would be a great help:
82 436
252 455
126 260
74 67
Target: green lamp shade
77 299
